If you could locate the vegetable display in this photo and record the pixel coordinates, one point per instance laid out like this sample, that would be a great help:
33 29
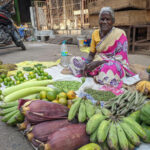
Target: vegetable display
57 118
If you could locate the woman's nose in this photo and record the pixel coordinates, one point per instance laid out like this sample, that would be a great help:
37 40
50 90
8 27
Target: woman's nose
105 21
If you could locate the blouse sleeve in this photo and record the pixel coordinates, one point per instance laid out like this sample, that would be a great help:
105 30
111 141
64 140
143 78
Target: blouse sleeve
93 44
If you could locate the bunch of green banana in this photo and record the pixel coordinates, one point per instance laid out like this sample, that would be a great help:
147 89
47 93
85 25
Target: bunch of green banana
10 113
126 103
83 109
114 132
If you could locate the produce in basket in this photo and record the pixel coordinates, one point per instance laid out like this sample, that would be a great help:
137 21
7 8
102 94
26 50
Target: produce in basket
71 137
39 111
42 130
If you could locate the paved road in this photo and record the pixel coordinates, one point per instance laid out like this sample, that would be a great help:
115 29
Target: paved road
10 137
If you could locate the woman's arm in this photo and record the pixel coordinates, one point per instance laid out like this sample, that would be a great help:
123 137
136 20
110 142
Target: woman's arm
90 57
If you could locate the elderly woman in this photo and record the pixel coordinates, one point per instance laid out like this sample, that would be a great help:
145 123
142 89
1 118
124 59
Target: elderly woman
107 61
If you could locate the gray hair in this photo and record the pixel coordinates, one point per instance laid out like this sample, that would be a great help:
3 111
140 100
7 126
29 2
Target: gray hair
107 9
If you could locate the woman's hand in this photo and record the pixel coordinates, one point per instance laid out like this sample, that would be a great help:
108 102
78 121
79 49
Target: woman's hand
94 64
91 66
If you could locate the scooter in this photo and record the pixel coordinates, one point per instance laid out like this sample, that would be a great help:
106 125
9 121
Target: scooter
8 32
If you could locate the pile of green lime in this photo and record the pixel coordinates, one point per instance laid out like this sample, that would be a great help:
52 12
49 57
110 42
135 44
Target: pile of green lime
37 73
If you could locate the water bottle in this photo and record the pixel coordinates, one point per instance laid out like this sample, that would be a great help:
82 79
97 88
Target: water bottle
64 54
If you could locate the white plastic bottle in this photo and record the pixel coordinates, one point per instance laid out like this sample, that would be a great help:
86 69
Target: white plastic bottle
64 54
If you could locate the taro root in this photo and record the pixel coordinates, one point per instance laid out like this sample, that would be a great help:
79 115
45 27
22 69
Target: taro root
40 111
67 138
42 130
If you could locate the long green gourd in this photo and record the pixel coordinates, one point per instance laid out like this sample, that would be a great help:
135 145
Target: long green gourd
25 92
24 85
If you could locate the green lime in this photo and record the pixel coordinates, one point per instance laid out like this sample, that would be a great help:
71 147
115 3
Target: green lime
20 75
31 73
15 77
39 67
5 83
51 95
12 82
41 70
43 94
18 72
18 82
45 78
21 78
49 77
1 80
5 80
8 79
45 74
35 71
33 76
3 75
42 78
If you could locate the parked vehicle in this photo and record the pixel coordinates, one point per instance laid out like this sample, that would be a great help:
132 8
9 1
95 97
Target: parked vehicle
8 32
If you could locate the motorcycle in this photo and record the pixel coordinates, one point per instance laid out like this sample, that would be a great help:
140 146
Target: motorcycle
8 32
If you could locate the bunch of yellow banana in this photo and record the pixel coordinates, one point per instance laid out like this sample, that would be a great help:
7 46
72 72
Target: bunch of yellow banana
83 109
114 132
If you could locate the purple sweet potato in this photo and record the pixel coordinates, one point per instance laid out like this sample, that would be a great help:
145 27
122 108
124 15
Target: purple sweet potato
40 111
42 130
67 138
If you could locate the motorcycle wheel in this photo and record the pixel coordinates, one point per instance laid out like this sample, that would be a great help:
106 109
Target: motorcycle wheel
22 46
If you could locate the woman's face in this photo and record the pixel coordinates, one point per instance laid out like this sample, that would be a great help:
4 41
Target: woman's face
106 22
